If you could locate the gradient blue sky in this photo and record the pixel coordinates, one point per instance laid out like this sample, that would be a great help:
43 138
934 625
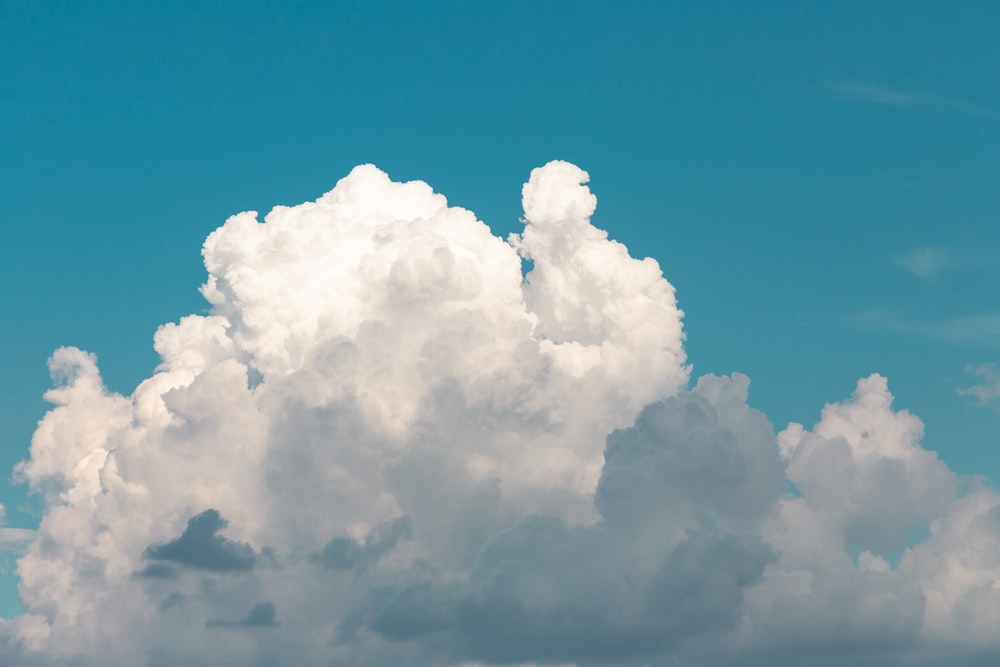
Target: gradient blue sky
818 181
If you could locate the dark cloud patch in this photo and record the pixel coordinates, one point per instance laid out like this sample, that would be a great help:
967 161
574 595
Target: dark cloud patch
201 547
260 616
173 600
343 553
669 560
700 586
158 571
686 457
549 592
579 595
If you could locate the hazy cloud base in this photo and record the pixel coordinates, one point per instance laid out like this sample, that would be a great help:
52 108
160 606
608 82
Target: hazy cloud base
386 446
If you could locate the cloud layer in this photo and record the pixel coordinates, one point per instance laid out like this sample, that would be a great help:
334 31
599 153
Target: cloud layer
388 445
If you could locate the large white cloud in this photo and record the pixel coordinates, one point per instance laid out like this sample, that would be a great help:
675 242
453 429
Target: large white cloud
386 445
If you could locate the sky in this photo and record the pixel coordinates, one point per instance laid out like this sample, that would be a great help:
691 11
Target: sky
379 429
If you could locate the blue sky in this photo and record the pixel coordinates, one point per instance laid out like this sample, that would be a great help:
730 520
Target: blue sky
817 181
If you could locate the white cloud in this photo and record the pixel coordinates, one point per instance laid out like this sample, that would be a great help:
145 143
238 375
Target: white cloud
384 446
987 390
927 263
982 329
13 540
875 93
869 92
863 469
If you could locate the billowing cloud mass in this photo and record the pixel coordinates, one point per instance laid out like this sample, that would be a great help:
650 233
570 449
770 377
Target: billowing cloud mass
387 444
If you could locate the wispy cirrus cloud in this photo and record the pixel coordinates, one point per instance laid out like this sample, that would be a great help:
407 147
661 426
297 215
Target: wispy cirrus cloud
874 93
15 540
928 263
987 390
981 329
869 92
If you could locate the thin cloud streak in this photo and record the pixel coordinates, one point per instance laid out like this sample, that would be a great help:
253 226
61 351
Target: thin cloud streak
876 94
932 262
982 329
866 92
927 263
987 391
16 540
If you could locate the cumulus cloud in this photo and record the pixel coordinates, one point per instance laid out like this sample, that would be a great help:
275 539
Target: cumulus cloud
421 456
